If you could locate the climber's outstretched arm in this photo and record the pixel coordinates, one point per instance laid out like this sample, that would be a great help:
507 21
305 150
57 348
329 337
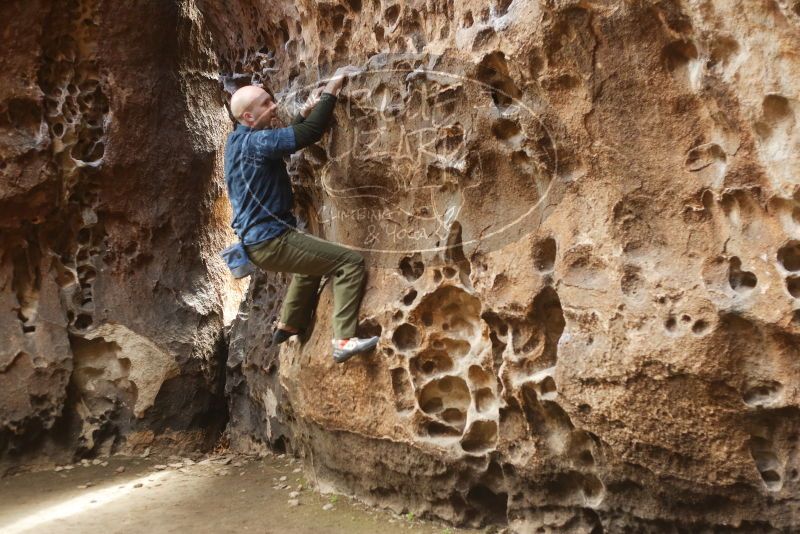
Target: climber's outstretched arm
310 130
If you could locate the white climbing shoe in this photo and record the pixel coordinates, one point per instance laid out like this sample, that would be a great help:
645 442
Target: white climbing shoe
343 349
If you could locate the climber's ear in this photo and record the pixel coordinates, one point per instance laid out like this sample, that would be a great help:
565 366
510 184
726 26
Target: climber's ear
247 118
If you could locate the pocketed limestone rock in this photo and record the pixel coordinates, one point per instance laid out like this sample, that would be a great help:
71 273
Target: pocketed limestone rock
581 223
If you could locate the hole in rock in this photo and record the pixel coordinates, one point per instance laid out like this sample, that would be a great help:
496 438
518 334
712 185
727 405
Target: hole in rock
431 362
468 21
454 416
340 50
284 29
572 485
494 474
86 274
437 276
446 386
789 256
495 322
579 448
391 14
670 324
700 327
432 405
493 505
451 306
406 336
83 321
409 297
455 252
740 281
355 5
775 109
501 7
546 418
403 391
771 477
686 318
88 151
435 429
84 236
449 272
678 53
592 487
585 458
793 286
766 462
444 393
548 388
480 437
484 400
412 267
544 323
544 256
762 394
279 445
58 129
505 129
493 71
479 377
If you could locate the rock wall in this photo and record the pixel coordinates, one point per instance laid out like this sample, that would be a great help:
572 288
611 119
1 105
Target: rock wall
582 222
583 225
111 295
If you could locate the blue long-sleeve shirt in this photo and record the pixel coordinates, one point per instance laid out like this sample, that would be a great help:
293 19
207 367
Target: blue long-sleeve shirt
258 185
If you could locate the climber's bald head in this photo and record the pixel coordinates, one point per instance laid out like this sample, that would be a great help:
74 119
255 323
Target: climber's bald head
252 106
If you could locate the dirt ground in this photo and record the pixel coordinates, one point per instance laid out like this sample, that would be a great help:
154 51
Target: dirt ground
222 493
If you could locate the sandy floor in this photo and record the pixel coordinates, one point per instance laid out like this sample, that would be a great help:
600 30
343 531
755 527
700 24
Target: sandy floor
216 494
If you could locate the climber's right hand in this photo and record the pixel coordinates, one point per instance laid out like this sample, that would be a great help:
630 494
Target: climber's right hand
338 78
349 70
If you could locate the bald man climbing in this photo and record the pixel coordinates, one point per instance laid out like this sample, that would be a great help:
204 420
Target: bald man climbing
261 196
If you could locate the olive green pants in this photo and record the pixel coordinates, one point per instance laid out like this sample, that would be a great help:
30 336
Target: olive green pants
310 258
